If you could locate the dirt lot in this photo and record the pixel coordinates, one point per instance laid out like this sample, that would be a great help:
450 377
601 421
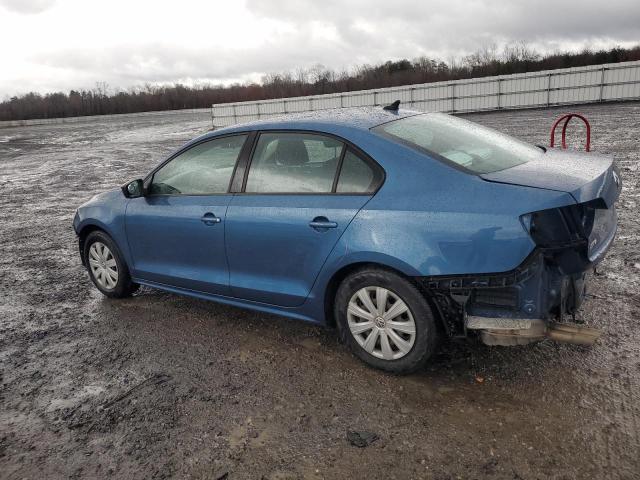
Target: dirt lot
163 386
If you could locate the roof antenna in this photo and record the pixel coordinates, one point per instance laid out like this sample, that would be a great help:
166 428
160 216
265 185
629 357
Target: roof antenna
393 107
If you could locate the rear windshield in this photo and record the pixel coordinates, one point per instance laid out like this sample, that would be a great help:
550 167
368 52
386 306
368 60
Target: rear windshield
465 144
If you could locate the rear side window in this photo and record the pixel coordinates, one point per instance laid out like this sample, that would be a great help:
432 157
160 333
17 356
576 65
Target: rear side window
203 169
294 163
357 176
462 143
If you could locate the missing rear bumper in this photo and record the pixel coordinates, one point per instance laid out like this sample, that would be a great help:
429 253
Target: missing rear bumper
516 331
538 289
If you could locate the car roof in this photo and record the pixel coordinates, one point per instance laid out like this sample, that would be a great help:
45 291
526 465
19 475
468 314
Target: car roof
362 118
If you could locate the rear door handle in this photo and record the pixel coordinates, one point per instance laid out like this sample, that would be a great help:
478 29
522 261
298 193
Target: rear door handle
321 223
210 219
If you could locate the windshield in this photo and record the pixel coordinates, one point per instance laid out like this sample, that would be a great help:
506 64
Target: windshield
466 144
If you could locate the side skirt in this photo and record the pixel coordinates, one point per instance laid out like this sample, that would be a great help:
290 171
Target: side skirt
236 302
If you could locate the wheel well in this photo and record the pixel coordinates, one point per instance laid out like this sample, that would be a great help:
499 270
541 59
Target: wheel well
344 272
82 237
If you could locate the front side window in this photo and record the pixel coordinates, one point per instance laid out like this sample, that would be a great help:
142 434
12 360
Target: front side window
465 144
294 163
204 169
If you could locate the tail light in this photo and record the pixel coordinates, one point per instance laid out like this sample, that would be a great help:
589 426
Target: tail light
573 231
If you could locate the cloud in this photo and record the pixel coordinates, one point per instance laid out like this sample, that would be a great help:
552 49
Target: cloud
27 6
125 43
459 25
166 63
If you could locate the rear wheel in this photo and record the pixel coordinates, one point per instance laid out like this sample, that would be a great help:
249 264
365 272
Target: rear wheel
385 320
107 269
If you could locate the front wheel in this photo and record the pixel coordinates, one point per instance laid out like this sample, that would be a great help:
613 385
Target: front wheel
107 268
385 320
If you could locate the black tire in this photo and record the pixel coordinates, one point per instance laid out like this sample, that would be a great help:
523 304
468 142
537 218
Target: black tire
426 333
124 287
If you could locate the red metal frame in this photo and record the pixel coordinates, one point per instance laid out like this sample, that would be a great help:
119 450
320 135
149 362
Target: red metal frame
568 118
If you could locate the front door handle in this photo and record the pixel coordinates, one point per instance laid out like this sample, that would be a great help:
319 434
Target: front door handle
210 219
322 223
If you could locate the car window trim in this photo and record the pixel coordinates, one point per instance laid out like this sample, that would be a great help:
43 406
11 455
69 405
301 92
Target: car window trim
336 176
346 145
238 177
173 156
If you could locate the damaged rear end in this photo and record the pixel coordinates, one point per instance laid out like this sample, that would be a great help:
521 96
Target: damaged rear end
535 300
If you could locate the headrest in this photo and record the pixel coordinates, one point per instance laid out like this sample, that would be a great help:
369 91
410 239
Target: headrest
291 152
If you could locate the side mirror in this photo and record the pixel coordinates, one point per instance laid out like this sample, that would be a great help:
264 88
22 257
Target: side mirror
133 189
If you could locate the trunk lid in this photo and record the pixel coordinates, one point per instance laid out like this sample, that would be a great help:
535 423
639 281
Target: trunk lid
586 176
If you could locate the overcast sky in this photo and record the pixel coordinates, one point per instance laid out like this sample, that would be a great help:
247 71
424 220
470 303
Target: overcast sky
49 45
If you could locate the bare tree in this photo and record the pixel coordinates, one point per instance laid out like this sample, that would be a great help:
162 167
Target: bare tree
516 57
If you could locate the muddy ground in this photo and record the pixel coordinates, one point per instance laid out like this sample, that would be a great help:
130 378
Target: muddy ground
161 386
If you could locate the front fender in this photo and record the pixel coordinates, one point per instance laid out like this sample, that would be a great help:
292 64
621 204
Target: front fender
105 211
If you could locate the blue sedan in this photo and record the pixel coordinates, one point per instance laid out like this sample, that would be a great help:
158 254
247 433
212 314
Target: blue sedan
397 227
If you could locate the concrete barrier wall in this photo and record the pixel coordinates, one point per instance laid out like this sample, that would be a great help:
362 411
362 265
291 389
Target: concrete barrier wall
95 118
596 83
568 86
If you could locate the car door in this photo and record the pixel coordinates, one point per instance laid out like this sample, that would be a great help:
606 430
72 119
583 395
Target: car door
176 232
293 208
